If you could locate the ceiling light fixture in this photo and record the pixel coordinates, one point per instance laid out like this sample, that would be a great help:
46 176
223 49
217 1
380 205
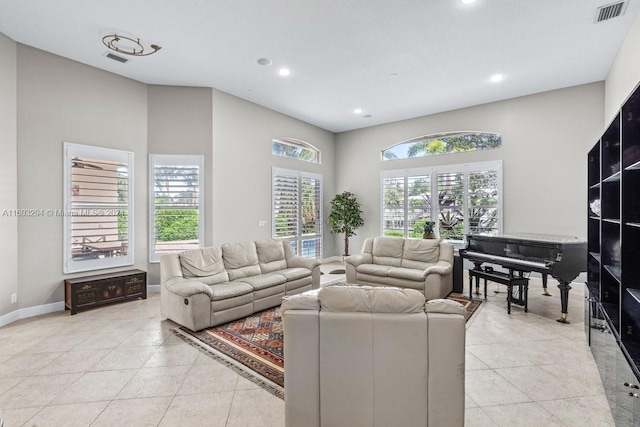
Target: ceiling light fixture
357 110
128 45
284 72
265 61
496 78
467 1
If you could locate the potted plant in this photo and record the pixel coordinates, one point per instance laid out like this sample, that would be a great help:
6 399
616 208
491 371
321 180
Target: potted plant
428 230
345 216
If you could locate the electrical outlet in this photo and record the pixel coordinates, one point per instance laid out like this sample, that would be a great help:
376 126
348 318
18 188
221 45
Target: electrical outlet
262 223
14 298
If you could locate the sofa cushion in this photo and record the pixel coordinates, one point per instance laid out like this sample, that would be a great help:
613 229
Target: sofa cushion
240 259
295 273
262 281
271 255
387 251
374 269
422 251
206 264
407 273
230 290
370 299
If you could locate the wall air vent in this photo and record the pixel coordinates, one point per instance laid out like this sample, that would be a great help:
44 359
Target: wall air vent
116 57
610 11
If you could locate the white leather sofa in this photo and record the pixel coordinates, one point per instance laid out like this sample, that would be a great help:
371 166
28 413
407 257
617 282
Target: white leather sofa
363 356
205 287
422 264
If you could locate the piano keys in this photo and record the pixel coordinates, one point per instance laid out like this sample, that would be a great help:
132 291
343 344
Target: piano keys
563 257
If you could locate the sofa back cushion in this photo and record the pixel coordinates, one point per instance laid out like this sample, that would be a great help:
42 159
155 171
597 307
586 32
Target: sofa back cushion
204 264
369 299
240 259
271 255
420 253
387 251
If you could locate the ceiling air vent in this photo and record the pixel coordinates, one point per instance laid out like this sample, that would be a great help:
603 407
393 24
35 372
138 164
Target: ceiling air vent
116 57
609 11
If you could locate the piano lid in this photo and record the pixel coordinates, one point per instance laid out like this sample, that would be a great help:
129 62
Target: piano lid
548 238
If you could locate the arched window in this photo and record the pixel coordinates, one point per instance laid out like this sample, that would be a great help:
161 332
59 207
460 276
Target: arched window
295 149
442 143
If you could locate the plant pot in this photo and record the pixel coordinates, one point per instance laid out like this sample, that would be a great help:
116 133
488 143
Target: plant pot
429 235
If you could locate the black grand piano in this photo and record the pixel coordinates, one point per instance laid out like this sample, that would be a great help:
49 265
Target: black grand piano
562 257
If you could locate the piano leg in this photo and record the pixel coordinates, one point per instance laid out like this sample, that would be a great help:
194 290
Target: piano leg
564 301
544 285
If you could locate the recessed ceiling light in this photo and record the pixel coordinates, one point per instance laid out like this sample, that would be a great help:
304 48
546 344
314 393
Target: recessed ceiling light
265 61
467 1
284 72
358 110
496 78
367 116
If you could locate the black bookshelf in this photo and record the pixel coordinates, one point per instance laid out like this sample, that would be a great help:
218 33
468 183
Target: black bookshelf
613 268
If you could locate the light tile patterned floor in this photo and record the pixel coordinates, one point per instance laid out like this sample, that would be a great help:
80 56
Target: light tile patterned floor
121 365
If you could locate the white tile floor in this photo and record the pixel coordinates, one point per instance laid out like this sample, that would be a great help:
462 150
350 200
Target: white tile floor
121 365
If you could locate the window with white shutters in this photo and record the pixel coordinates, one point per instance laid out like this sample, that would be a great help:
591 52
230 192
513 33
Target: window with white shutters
458 199
297 210
98 208
175 204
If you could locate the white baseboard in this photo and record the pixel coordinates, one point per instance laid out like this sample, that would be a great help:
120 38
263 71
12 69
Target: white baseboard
23 313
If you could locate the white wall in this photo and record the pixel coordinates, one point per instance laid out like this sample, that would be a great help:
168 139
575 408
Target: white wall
179 122
8 174
545 142
240 192
62 100
624 74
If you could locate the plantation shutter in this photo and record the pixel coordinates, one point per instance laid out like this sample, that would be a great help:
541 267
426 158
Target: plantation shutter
394 206
451 205
419 204
297 211
483 202
176 211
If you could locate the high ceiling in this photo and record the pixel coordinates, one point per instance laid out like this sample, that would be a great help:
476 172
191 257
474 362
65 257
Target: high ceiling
393 59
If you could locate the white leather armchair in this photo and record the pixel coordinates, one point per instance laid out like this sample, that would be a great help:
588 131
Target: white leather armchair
363 356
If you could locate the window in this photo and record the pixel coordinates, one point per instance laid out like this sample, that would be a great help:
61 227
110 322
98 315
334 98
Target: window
295 149
297 210
443 143
459 199
175 204
98 208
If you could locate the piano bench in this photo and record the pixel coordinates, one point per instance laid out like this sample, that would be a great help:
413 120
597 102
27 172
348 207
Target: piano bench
506 279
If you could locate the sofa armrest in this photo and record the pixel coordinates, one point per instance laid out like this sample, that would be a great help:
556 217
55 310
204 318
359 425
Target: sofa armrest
441 267
302 262
187 287
356 260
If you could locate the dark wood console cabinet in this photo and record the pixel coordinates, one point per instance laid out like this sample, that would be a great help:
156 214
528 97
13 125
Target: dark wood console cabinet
92 291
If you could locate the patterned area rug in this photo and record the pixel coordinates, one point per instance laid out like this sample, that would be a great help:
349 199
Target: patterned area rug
253 346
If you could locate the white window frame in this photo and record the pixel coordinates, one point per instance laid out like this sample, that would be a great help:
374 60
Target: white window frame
297 143
71 151
299 238
464 168
174 160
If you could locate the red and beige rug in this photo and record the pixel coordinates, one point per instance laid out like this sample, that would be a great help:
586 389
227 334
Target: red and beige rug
253 346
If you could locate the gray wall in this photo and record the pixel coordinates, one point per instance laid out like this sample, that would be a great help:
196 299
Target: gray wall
62 100
8 174
179 122
624 74
545 140
242 161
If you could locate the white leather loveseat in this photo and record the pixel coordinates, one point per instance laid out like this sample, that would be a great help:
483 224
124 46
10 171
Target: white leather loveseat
363 356
422 264
209 286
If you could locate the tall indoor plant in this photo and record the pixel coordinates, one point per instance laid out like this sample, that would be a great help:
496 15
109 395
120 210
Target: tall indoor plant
345 216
